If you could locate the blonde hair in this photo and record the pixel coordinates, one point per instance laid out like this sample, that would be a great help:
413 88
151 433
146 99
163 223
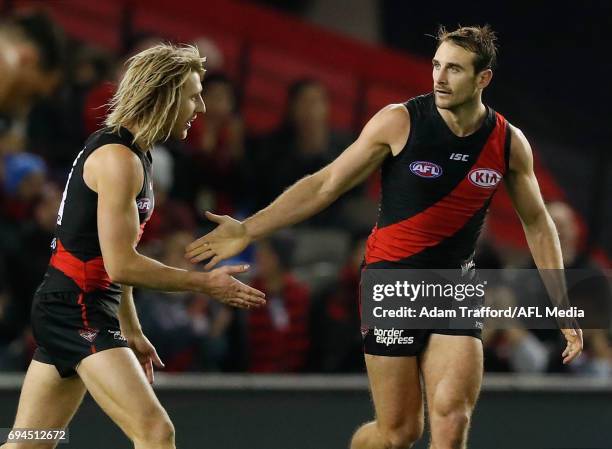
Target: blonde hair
149 94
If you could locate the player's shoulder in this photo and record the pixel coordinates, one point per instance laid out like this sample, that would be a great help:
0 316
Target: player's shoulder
389 126
392 117
115 160
521 156
518 141
112 168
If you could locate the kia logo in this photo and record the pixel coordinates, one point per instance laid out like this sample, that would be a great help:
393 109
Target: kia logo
426 169
484 177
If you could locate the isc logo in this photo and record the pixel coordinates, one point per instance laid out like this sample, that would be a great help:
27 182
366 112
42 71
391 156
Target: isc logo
426 169
484 177
459 157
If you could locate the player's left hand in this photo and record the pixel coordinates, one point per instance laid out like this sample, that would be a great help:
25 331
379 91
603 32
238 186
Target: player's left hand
226 240
146 354
574 344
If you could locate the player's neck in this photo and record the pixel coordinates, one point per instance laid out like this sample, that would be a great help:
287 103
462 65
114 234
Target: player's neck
465 119
134 130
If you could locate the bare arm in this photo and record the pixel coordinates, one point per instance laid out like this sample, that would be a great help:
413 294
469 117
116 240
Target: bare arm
540 231
130 328
128 317
380 136
525 193
386 133
116 174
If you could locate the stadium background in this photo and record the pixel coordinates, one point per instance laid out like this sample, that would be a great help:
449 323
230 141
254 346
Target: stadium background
289 84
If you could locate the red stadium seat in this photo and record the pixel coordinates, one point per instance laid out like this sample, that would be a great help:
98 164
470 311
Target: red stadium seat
93 22
183 31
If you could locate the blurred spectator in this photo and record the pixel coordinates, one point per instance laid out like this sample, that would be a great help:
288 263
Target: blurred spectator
29 258
592 295
540 350
169 214
55 125
215 61
277 334
513 349
31 63
211 169
188 330
31 60
24 177
335 322
303 144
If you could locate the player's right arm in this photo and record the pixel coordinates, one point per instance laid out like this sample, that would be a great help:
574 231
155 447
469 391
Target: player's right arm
386 133
116 174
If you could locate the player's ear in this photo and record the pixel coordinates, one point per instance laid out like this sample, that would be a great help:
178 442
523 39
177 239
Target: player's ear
484 78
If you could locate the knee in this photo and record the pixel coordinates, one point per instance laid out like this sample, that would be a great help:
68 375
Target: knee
156 430
449 428
163 431
401 437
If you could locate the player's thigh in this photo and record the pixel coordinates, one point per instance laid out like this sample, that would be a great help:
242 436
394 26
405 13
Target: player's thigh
47 401
396 391
452 367
117 383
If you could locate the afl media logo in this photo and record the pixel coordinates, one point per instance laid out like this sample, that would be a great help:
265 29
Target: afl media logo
426 169
144 204
484 177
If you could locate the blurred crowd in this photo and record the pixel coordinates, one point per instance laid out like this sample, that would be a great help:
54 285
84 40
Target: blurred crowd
53 94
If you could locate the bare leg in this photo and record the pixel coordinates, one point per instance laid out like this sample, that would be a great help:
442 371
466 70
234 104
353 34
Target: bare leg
398 402
452 371
47 402
116 381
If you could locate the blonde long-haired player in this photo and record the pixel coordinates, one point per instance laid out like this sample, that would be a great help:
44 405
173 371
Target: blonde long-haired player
83 316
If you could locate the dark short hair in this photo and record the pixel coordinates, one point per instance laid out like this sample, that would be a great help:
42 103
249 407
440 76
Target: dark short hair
298 86
476 39
45 35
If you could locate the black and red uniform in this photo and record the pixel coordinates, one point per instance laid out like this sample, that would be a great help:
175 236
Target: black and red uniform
74 313
435 196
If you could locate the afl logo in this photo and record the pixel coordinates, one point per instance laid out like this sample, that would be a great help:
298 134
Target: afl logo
144 204
484 177
426 169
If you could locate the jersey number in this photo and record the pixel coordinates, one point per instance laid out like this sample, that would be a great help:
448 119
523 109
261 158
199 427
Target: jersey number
60 213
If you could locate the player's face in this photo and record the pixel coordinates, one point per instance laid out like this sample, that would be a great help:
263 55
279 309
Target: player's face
34 81
191 105
455 82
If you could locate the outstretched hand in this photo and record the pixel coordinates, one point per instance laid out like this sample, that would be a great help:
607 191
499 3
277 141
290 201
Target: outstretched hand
226 240
221 285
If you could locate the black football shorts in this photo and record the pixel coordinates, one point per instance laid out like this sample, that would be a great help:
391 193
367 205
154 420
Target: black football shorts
405 342
69 326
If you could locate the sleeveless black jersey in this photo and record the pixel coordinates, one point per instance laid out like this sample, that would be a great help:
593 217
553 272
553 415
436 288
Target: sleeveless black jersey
436 191
76 263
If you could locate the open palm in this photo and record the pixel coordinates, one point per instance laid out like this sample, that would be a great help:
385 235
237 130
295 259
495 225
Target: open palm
226 240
